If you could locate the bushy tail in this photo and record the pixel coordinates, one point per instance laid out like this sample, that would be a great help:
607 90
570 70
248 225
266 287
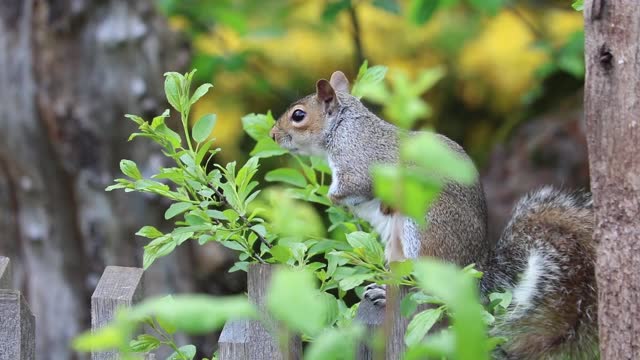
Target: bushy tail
546 258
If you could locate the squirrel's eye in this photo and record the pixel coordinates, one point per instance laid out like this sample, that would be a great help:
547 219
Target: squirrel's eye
298 115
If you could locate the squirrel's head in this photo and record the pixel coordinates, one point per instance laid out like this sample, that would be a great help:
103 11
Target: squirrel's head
303 127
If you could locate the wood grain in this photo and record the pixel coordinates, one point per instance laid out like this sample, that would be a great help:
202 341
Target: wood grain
233 343
118 287
5 273
17 328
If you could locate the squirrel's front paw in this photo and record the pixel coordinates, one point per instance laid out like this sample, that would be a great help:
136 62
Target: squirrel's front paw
377 294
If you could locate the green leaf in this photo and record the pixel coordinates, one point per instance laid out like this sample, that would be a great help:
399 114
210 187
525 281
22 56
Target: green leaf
258 126
437 346
281 253
335 343
333 8
421 324
203 151
200 92
135 118
144 343
391 6
401 269
295 300
239 265
408 305
471 271
420 11
571 56
167 327
287 175
491 7
502 300
405 190
172 84
372 252
460 293
115 187
176 209
216 214
159 120
234 245
427 79
431 153
195 314
368 79
188 351
578 5
307 223
231 215
105 338
202 129
267 148
351 281
320 164
166 248
149 232
130 169
170 135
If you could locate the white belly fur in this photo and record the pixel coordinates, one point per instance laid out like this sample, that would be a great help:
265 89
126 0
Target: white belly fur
389 227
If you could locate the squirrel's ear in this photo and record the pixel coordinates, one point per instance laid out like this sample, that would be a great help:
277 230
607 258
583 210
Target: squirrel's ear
324 91
339 81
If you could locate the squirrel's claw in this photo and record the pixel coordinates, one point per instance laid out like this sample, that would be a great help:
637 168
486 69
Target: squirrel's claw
377 294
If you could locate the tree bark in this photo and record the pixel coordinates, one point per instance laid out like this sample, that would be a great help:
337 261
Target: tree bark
69 70
612 105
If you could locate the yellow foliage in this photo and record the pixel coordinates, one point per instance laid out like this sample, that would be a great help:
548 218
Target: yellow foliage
178 22
501 58
560 24
496 67
228 127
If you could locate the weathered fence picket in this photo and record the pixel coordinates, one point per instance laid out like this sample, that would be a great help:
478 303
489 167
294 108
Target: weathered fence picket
387 319
250 339
234 340
372 317
5 273
17 323
118 287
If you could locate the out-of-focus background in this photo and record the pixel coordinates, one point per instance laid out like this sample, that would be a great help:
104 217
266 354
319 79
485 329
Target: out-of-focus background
70 70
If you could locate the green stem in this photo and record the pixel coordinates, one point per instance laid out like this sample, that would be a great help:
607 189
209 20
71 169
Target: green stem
185 126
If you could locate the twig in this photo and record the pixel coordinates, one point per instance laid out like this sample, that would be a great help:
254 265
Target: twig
244 218
534 29
357 41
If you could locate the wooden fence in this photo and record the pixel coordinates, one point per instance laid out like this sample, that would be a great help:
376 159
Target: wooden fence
17 324
242 340
239 340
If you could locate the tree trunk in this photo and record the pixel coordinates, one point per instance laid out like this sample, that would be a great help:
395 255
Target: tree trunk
69 70
612 101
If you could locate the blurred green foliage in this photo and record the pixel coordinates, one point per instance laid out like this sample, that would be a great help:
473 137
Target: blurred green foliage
502 61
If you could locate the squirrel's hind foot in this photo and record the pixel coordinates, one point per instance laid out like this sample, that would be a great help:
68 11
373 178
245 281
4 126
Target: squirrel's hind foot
377 294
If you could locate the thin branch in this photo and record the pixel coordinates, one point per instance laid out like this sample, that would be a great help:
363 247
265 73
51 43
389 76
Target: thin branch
533 27
357 39
244 218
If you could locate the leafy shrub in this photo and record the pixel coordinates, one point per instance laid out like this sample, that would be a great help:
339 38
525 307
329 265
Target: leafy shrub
212 202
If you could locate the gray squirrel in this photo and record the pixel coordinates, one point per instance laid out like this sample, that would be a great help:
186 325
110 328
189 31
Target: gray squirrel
545 255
